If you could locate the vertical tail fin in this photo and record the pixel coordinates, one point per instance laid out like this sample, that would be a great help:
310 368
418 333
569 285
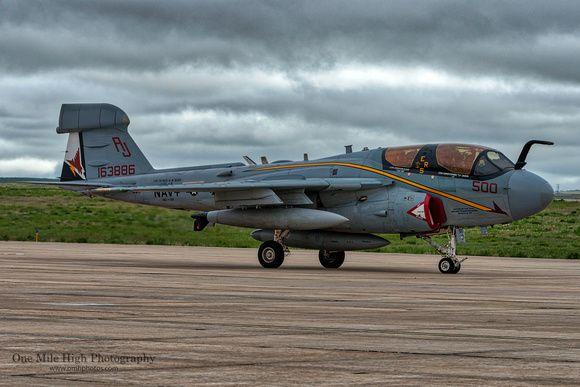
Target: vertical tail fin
99 145
73 167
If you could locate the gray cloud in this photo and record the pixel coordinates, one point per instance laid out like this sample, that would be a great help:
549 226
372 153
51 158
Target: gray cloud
534 37
207 81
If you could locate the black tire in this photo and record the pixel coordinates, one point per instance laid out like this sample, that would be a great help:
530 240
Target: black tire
446 266
457 268
199 221
271 254
331 259
199 224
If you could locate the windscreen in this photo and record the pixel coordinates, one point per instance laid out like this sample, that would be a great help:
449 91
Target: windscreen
491 163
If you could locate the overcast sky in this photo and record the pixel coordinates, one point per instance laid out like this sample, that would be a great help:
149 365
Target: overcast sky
209 81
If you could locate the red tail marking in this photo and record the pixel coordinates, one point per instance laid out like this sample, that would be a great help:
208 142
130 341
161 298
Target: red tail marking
75 164
124 148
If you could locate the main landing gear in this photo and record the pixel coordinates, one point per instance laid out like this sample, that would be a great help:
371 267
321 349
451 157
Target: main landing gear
449 263
331 259
271 254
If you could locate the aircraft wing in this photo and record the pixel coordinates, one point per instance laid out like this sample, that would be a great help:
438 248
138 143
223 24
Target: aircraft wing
255 192
236 185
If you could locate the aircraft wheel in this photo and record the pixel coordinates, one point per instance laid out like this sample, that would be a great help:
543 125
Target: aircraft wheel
331 259
199 224
456 268
447 266
271 254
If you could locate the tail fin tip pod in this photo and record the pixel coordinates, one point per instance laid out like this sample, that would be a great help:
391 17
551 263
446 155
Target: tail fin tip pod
99 144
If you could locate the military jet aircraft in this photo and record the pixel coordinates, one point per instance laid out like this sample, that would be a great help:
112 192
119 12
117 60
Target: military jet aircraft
333 205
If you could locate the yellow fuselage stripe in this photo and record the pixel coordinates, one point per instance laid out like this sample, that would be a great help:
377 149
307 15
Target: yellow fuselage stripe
382 173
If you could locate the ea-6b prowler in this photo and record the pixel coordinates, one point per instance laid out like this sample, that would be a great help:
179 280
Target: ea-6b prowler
333 205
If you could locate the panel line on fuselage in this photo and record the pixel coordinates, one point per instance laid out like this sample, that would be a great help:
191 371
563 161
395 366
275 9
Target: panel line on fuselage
382 173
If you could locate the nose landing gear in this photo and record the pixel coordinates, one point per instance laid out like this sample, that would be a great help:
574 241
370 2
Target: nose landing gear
449 263
449 266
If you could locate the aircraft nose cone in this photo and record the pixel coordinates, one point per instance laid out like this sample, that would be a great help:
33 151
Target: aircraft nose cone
528 194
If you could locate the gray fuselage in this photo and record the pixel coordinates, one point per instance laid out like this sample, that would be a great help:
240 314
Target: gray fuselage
466 201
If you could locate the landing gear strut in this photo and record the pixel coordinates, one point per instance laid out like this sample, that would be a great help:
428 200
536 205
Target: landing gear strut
449 263
271 253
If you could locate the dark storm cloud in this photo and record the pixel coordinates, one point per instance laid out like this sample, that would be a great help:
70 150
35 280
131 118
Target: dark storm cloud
205 81
538 38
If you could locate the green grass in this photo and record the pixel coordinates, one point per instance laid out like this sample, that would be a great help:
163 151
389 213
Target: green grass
63 216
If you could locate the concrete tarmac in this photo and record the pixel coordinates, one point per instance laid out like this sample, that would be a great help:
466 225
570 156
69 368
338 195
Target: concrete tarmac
192 315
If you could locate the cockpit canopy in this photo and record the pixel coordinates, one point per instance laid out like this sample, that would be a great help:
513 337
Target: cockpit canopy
456 159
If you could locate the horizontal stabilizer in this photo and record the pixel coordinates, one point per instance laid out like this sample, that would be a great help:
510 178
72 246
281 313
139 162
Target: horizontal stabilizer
89 116
76 186
69 184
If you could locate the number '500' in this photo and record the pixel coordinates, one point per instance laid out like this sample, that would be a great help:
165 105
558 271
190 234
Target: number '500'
484 186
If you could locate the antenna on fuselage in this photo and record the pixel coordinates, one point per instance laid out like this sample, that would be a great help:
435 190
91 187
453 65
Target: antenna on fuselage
305 156
348 148
248 160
